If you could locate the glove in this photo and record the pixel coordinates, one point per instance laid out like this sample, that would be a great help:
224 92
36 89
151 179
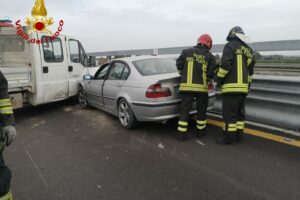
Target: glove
8 134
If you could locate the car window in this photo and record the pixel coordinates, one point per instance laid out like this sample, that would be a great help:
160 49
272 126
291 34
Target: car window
125 73
74 51
155 66
102 72
116 72
52 49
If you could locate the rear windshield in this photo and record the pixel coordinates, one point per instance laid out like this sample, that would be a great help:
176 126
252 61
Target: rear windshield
154 66
11 43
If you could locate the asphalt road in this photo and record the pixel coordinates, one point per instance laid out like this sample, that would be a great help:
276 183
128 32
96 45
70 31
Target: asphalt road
64 152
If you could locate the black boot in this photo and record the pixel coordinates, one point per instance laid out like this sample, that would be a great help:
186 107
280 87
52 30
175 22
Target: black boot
181 137
201 133
226 139
240 136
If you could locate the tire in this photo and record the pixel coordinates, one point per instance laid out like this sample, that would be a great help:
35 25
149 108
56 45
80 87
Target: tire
126 115
82 98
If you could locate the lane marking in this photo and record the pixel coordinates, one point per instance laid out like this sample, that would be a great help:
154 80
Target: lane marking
199 142
37 169
262 134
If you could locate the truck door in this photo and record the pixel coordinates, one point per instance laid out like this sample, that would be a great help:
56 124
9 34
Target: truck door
54 84
77 63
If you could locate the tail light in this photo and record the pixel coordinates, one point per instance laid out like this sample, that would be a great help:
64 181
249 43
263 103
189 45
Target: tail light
157 91
211 87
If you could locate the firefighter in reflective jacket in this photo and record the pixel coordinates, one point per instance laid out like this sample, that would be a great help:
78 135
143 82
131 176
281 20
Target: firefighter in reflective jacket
234 77
7 134
197 66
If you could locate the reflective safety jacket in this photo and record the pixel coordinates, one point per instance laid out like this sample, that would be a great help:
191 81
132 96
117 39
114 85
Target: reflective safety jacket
6 111
196 66
236 71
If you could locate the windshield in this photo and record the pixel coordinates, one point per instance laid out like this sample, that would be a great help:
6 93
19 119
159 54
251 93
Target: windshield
155 66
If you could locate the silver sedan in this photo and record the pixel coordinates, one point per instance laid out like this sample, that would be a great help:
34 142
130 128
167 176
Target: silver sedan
136 89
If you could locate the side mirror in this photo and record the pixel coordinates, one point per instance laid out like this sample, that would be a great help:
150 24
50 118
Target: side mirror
92 61
87 77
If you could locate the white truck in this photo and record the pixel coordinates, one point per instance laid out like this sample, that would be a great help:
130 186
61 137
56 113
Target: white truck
41 73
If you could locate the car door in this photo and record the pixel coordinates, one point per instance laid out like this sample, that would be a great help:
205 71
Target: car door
94 86
114 83
54 83
77 61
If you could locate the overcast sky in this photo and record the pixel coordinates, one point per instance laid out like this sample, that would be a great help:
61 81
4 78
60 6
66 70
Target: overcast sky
103 25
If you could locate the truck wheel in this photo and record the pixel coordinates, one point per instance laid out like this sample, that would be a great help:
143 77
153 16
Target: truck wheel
82 98
126 115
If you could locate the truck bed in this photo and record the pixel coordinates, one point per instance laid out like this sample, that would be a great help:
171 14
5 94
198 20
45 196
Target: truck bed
15 61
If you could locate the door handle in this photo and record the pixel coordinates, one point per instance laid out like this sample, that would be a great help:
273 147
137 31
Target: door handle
118 84
45 69
70 68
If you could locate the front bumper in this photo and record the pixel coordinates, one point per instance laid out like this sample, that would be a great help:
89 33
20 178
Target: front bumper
161 111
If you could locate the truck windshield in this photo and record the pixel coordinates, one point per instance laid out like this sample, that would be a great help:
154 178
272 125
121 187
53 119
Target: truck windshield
11 43
155 66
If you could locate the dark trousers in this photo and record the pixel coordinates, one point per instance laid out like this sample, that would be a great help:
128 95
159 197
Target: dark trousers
5 177
186 106
233 112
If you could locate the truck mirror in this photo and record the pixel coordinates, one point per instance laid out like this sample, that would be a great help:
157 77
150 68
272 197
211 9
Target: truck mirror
92 61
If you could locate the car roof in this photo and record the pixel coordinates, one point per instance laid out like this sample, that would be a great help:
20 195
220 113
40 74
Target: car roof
136 58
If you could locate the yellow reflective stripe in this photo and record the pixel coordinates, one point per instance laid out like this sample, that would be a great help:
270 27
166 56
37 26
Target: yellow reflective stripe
201 122
194 85
240 69
6 110
4 104
235 90
232 129
182 129
220 75
4 100
182 123
204 68
190 72
8 196
250 78
201 127
240 125
223 71
249 61
234 85
193 89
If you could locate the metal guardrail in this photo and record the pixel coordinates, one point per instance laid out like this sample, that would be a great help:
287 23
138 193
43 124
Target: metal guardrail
273 100
284 45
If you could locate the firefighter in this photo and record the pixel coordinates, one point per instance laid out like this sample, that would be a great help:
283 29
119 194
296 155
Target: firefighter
196 66
7 134
234 77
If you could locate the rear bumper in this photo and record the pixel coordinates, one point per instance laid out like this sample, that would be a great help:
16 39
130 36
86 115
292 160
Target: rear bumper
162 111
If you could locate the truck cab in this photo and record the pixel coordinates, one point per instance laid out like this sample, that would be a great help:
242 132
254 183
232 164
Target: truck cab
44 72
